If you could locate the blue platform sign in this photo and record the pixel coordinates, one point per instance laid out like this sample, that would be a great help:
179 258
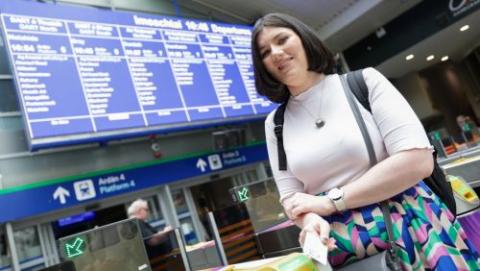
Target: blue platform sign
20 204
84 74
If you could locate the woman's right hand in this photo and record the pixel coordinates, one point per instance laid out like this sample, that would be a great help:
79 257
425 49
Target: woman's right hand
315 224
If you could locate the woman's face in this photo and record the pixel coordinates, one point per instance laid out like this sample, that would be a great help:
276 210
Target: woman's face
283 54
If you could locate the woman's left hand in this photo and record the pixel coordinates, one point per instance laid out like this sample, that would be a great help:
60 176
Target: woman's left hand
301 203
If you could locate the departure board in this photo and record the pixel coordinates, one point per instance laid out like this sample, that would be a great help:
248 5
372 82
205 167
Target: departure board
84 74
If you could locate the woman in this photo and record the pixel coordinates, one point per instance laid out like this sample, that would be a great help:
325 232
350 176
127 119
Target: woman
328 187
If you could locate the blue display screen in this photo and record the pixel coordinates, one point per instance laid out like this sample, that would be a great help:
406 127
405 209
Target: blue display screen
85 74
65 221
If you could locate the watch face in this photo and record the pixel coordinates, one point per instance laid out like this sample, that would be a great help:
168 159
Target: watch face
335 194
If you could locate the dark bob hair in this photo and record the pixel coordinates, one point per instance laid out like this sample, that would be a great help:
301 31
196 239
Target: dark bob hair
319 58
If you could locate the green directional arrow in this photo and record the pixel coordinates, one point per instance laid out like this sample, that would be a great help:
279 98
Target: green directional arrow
243 194
76 248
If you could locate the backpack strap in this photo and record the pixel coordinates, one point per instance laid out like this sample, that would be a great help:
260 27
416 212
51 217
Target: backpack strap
278 129
359 88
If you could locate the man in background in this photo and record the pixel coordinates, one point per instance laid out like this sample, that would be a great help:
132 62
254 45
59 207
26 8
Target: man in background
139 210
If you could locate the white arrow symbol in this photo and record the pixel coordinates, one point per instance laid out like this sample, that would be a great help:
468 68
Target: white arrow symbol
201 164
61 193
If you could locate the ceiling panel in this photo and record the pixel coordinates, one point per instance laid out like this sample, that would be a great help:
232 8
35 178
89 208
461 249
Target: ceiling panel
342 23
449 41
313 12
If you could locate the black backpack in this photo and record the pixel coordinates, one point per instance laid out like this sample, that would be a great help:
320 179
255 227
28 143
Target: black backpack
437 182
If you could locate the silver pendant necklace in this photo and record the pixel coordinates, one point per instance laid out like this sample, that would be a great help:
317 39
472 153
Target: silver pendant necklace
319 123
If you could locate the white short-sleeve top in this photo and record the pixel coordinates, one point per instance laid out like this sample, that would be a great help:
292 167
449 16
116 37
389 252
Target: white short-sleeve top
319 159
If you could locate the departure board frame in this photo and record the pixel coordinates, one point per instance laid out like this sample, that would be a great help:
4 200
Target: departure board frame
85 74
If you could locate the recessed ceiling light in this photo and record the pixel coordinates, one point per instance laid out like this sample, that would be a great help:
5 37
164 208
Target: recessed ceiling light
444 58
430 57
464 28
409 57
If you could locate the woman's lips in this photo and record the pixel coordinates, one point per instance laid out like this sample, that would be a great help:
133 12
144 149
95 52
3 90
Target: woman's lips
283 64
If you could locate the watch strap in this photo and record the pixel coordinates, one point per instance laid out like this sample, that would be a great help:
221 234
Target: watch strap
338 202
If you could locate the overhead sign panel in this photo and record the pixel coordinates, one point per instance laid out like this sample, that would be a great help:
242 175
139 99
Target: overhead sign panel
84 74
50 196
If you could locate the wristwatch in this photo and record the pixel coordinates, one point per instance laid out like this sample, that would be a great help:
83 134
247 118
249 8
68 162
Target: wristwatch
336 196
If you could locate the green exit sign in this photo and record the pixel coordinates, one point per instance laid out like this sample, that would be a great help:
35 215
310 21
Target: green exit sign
243 194
75 247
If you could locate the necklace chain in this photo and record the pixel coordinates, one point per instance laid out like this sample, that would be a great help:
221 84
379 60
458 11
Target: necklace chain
319 123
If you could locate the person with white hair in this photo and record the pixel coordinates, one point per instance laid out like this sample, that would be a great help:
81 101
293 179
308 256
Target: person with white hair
139 210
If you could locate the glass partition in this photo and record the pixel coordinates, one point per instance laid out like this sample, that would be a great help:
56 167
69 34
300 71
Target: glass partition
116 246
262 202
237 234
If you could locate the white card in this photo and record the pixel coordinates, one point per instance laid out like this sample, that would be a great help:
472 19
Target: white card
314 248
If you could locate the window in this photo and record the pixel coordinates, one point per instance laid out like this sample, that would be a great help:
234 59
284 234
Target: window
8 102
186 224
184 216
268 169
251 176
27 243
155 210
4 62
28 247
5 259
179 201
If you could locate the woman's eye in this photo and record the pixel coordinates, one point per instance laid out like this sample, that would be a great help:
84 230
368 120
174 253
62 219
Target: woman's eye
264 54
282 40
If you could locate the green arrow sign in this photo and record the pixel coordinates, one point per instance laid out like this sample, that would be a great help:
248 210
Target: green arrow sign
243 194
75 248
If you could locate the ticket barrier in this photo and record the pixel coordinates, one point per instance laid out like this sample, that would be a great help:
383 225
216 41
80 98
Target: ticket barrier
277 248
234 234
63 266
465 197
120 246
279 240
468 203
169 254
237 241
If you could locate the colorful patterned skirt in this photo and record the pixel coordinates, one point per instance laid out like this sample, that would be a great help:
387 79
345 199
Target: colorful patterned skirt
428 235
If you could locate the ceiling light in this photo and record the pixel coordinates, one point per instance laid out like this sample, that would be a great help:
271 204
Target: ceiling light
464 28
410 57
444 58
430 57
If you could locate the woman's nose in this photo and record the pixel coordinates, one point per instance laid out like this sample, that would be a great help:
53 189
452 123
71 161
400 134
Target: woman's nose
276 50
